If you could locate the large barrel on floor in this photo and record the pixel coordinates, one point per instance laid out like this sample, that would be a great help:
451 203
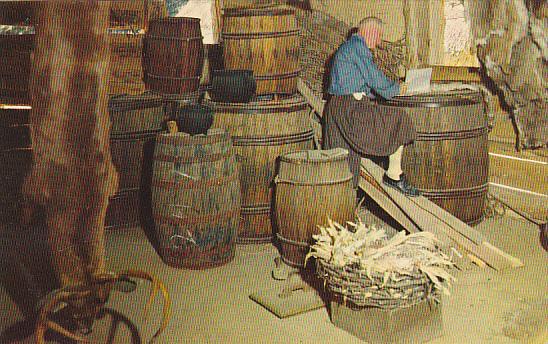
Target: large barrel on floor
311 188
135 122
15 160
15 66
262 131
196 199
266 41
173 55
449 160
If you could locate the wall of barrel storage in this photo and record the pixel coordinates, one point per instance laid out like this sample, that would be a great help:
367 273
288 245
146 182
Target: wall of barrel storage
203 193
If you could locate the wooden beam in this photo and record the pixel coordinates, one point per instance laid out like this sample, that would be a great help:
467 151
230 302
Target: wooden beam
316 102
375 191
425 220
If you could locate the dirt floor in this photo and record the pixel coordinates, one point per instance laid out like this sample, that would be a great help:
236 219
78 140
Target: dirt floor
213 306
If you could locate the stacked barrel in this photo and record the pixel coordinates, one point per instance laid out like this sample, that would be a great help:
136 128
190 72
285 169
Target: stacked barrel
136 116
135 122
173 59
264 40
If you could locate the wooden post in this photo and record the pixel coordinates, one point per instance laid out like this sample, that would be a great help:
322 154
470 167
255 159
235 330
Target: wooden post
417 32
72 174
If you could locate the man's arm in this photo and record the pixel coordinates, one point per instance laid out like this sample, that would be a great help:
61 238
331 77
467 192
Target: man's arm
379 83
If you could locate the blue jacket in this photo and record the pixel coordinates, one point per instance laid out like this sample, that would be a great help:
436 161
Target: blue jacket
353 71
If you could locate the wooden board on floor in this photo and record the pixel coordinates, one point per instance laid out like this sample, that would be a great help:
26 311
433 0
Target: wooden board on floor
437 223
299 301
373 190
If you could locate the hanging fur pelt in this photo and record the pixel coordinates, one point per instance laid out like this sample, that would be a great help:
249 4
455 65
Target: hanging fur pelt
511 44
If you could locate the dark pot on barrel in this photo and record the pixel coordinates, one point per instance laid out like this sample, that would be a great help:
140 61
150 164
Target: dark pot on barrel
194 119
232 86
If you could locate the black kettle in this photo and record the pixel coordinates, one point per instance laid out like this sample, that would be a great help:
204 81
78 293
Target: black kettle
232 86
194 119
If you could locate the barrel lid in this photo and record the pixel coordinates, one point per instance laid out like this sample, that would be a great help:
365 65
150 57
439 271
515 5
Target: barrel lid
315 156
291 103
126 102
437 99
268 10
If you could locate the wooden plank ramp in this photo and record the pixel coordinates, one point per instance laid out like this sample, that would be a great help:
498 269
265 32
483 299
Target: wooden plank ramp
427 216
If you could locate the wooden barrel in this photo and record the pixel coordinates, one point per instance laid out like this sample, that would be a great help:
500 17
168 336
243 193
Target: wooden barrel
311 188
15 160
266 41
262 131
449 160
135 122
196 199
15 66
173 55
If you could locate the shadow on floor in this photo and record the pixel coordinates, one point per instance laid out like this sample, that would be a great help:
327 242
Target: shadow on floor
117 319
27 274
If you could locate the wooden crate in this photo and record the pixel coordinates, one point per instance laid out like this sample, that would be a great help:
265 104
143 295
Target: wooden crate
415 324
126 72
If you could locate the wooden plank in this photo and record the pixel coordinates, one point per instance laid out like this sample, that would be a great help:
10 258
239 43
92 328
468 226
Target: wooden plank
427 221
454 73
436 29
373 190
516 263
421 218
316 102
518 172
534 205
447 218
476 260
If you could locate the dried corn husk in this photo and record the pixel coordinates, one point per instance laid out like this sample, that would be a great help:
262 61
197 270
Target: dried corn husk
368 268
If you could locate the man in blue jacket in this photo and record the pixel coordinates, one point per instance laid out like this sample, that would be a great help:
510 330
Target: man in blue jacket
353 121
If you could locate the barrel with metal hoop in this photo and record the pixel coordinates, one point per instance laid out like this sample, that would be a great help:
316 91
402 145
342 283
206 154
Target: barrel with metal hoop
196 199
135 122
266 41
262 131
449 160
312 187
173 55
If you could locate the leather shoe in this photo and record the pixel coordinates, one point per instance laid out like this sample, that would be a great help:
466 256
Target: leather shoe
401 185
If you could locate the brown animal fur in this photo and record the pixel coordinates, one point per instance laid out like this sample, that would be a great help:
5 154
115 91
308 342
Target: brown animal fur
511 38
72 174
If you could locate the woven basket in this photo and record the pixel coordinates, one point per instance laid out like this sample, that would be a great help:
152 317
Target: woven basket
353 285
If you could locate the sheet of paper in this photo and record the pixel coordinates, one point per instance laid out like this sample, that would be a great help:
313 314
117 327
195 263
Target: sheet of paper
418 81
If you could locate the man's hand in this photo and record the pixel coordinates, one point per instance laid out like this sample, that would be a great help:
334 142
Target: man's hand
403 89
